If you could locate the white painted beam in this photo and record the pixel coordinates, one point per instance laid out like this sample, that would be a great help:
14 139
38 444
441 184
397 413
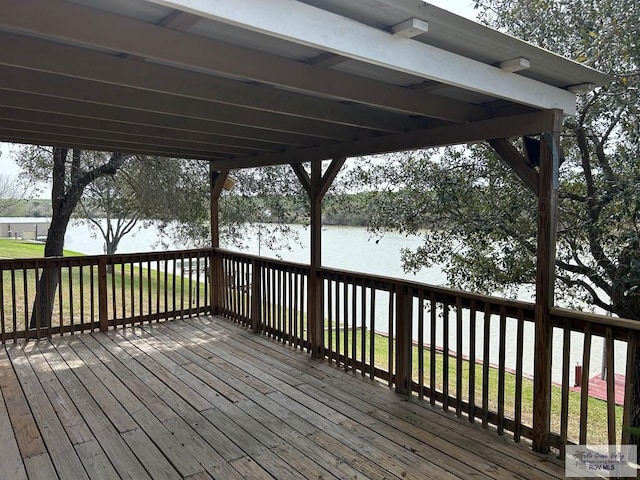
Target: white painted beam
410 28
515 65
307 25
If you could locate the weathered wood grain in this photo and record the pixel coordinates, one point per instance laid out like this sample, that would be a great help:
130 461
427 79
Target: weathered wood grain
201 398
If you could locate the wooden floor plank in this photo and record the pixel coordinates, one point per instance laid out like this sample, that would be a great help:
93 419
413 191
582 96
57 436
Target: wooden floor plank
112 409
95 461
227 372
132 346
24 426
204 398
59 447
150 456
39 467
247 467
190 362
136 385
258 345
11 465
71 419
105 432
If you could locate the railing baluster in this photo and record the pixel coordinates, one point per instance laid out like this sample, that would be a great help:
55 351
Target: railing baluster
122 290
146 288
564 409
36 311
517 432
346 323
363 329
611 383
584 389
26 297
354 293
391 338
329 346
445 354
472 361
432 349
372 333
338 318
132 291
630 378
71 319
60 299
102 294
81 287
458 356
421 344
485 365
297 318
140 291
501 369
14 314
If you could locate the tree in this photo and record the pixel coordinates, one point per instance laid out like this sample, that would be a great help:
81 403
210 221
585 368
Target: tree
11 192
183 206
481 221
69 178
111 207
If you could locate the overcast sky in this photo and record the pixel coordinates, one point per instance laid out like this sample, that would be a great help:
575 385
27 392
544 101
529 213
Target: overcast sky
461 7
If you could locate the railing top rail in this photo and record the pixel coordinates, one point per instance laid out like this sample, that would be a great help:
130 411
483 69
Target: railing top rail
559 314
264 260
74 260
438 290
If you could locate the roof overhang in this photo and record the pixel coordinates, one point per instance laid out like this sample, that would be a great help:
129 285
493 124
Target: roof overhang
239 83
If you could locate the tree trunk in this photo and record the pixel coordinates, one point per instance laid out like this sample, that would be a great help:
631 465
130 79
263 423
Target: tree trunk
66 191
50 277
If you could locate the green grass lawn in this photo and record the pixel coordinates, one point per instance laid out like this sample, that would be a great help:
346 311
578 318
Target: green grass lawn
24 249
132 291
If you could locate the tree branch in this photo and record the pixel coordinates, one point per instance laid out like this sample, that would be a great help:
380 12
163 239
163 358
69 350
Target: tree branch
590 290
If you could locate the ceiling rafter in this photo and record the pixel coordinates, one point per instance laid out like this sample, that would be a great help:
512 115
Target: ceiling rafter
85 26
36 54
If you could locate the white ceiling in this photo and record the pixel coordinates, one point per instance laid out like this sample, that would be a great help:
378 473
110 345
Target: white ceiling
255 82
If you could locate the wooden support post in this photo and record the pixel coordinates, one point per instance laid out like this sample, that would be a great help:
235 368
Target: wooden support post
316 187
404 367
545 268
216 275
102 294
256 275
314 310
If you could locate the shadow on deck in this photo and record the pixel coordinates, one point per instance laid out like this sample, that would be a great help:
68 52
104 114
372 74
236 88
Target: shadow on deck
205 398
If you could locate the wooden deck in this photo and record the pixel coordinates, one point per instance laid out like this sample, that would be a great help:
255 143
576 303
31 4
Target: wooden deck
203 398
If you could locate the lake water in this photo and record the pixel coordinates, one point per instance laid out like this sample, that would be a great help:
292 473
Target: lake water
352 248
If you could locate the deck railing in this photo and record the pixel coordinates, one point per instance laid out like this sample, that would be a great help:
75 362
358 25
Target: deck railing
97 292
470 354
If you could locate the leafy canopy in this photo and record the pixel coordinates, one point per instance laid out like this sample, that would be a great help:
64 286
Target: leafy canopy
479 220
